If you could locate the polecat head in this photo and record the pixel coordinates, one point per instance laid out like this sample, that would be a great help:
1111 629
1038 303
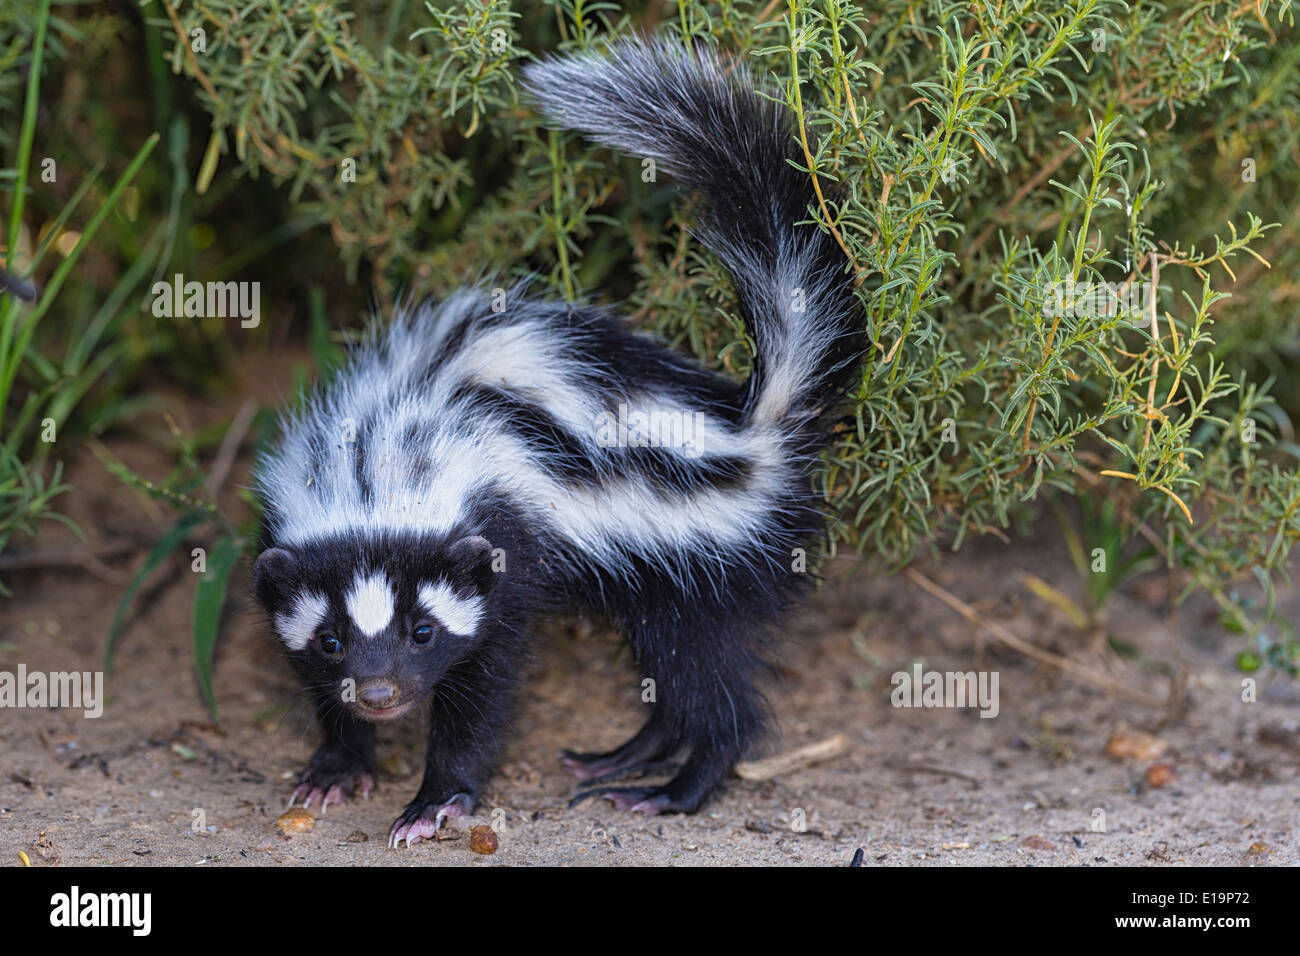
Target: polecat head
382 621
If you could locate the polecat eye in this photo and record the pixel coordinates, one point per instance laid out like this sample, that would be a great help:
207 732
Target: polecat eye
422 634
329 644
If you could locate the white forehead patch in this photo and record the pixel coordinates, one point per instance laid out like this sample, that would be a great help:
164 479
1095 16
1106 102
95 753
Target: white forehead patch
370 602
460 615
296 627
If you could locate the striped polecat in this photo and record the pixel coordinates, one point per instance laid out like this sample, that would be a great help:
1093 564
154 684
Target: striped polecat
493 458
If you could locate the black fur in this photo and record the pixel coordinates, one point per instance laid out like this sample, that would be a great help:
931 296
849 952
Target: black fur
698 618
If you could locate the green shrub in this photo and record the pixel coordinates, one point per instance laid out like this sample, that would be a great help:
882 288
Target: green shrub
987 167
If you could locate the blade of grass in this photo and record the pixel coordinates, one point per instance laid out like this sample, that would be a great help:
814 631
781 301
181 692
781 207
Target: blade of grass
208 601
14 357
27 135
9 316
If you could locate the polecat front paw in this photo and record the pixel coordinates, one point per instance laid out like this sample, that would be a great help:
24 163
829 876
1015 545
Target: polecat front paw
333 776
422 818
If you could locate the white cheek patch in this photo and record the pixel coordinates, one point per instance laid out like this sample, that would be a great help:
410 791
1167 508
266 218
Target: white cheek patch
370 602
297 627
460 615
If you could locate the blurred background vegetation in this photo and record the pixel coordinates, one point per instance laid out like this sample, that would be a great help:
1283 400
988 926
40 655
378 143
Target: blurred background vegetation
974 157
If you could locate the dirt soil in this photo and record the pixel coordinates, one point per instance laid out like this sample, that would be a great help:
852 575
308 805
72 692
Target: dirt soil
154 781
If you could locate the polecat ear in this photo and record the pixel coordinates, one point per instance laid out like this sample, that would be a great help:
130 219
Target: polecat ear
273 577
470 561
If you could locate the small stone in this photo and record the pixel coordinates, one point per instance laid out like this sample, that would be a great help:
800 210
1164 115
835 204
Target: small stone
1126 744
295 820
1159 774
482 840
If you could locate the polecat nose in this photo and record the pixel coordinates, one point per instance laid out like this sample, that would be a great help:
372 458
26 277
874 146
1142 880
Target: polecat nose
378 695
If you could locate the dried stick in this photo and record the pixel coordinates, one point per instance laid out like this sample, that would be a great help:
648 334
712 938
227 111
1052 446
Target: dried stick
796 759
1029 650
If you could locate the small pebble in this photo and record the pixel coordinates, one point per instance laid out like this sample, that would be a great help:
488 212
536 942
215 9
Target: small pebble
1159 774
295 820
482 840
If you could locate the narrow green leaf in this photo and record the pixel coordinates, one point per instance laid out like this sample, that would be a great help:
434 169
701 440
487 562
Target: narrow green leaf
209 598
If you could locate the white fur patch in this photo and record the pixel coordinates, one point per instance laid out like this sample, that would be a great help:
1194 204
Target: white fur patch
395 444
370 602
297 627
458 614
422 469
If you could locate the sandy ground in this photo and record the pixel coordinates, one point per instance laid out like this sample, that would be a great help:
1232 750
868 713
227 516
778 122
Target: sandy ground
153 781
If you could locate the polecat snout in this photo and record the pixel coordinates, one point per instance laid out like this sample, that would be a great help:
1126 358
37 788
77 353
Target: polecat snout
493 458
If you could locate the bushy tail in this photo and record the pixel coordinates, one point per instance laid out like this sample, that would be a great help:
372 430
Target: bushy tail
700 120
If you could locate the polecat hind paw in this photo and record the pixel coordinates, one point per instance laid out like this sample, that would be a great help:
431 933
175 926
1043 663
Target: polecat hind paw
422 818
596 773
596 769
648 800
